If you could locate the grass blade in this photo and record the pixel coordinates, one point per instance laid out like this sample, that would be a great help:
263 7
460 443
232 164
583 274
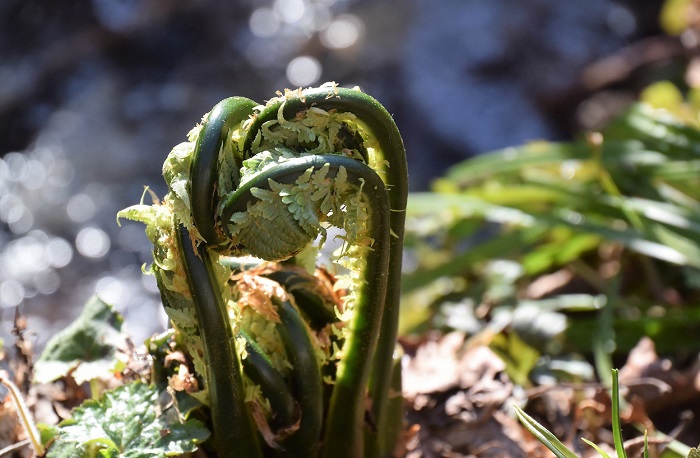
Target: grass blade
616 425
604 341
463 206
543 435
597 449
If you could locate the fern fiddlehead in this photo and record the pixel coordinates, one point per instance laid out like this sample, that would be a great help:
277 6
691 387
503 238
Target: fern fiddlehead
267 182
226 115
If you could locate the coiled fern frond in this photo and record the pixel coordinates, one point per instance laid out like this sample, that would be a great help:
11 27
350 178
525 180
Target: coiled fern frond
289 354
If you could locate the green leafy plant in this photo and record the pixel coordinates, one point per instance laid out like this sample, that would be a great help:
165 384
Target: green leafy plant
127 422
135 419
87 349
287 356
616 205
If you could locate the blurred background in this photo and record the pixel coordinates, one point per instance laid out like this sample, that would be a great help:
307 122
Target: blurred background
95 93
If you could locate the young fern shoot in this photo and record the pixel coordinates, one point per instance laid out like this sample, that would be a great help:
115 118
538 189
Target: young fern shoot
281 346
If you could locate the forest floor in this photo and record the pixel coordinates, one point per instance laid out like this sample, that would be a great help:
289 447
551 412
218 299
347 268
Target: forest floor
459 402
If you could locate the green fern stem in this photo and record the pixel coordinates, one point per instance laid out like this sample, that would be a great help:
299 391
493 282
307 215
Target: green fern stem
234 431
260 371
225 116
306 379
392 167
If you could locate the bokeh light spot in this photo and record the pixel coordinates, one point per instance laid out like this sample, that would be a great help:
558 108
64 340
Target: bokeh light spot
289 11
11 208
343 32
23 224
303 71
109 289
263 22
47 281
80 208
17 166
92 242
35 176
58 252
11 293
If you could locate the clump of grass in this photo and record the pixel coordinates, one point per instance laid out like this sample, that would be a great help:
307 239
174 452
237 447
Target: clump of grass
565 251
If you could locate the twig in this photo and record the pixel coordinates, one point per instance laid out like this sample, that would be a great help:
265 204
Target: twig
24 416
618 67
13 447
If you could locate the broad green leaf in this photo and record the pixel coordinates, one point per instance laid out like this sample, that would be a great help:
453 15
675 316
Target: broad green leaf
47 433
125 423
87 347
